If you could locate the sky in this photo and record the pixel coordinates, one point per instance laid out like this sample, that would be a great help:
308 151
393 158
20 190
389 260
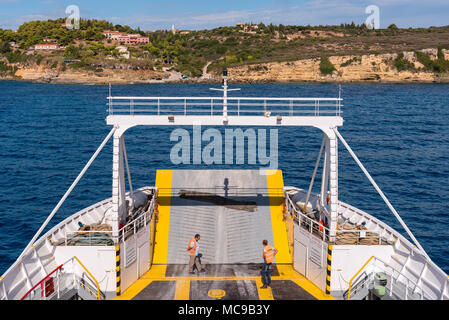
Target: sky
195 14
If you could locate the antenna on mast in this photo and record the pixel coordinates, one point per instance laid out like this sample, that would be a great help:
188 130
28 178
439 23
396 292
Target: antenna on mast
225 94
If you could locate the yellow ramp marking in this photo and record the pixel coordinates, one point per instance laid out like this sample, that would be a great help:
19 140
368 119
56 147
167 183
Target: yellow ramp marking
264 294
163 183
157 273
275 184
182 290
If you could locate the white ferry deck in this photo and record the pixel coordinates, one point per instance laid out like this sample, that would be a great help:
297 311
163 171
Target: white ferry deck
132 245
236 211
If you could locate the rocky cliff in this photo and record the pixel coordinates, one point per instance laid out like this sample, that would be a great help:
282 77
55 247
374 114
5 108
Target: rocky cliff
365 68
45 74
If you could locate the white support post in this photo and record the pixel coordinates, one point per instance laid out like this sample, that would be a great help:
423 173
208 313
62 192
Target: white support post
115 186
380 193
122 200
333 185
118 185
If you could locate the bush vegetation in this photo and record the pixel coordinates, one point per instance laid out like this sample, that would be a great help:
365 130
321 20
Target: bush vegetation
402 64
326 67
439 65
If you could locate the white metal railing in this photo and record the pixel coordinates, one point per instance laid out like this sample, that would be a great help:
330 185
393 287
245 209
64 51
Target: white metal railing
70 276
234 106
313 226
106 237
307 223
384 231
139 222
399 286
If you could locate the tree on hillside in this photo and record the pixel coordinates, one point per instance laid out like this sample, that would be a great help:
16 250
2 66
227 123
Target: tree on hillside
4 47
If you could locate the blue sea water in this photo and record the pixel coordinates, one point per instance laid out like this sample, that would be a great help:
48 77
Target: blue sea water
400 132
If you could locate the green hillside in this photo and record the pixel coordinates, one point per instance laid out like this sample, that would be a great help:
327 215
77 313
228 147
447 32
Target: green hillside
188 52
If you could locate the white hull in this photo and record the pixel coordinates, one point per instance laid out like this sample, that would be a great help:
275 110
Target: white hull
402 260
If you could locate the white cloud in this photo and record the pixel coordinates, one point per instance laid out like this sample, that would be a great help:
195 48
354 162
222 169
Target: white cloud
404 13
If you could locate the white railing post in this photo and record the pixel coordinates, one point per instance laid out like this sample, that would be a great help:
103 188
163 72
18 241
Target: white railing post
110 106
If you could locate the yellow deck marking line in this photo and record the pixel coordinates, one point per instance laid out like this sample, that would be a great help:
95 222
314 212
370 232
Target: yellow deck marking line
264 294
157 273
212 278
275 184
163 183
158 270
182 290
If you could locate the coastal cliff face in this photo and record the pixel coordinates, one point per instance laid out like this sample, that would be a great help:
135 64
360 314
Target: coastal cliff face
45 74
366 68
349 68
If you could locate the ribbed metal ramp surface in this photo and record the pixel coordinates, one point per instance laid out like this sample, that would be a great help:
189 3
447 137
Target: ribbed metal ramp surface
233 211
232 215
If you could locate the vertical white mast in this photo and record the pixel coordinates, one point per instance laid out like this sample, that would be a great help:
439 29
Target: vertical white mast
225 94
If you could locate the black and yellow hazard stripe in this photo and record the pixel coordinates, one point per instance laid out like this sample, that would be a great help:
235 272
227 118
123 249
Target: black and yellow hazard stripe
328 275
117 268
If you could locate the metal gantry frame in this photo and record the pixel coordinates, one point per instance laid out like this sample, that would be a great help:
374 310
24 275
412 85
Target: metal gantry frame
327 123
